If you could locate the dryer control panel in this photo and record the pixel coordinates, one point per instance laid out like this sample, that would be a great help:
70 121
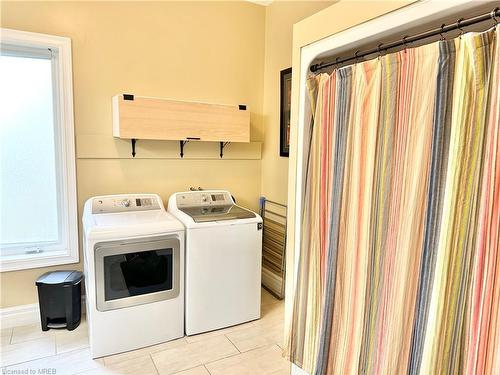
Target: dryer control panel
125 203
203 198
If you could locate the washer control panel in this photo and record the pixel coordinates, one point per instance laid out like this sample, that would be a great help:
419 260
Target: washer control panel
203 198
125 203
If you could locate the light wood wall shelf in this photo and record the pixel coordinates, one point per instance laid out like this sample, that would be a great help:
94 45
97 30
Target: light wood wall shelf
136 117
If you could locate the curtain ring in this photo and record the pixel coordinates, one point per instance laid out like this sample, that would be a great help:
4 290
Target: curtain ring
404 42
336 62
462 31
379 47
356 57
442 32
494 17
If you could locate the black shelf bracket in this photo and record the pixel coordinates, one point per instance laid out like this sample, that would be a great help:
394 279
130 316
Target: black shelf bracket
222 145
133 140
182 144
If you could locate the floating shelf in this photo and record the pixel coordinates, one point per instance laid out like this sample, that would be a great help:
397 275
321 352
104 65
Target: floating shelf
136 117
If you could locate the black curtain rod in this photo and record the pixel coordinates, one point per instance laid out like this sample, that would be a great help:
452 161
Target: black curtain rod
459 25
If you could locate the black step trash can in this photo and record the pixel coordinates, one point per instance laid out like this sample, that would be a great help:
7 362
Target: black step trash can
59 296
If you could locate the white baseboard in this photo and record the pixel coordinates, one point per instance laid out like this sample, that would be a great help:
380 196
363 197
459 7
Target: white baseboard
19 315
296 370
23 315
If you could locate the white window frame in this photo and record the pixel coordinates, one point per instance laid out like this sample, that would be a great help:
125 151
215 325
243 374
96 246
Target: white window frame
68 252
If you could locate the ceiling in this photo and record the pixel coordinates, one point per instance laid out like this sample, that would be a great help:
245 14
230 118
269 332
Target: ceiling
261 2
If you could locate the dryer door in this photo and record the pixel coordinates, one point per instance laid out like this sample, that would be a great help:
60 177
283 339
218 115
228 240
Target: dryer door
136 272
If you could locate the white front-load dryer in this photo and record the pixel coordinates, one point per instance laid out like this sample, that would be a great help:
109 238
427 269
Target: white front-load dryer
223 259
134 273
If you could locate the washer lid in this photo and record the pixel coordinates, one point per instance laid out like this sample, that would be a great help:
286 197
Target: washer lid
217 213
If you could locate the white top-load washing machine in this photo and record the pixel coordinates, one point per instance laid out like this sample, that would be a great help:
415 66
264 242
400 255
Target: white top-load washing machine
134 273
223 259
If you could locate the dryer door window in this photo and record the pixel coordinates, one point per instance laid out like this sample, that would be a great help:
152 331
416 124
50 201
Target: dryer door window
135 273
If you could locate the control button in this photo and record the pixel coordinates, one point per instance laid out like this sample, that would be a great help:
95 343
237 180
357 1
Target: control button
126 202
204 198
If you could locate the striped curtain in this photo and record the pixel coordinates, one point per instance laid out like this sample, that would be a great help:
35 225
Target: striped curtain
399 264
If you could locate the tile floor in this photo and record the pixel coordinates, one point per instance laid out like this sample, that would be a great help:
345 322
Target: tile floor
250 348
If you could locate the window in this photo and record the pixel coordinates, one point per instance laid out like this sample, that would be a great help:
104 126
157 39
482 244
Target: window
38 216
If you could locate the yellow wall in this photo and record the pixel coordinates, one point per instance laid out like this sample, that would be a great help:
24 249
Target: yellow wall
206 51
226 52
280 17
